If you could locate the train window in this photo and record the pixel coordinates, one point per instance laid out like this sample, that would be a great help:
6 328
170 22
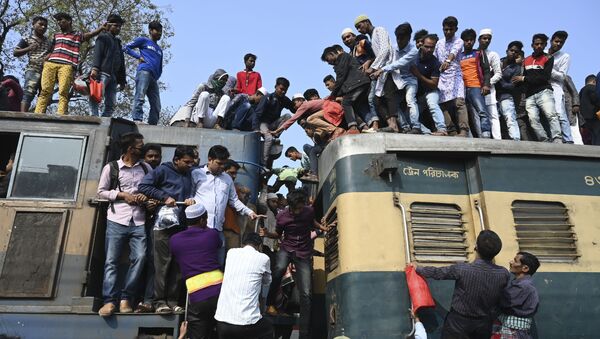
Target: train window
331 243
32 255
544 229
438 232
47 167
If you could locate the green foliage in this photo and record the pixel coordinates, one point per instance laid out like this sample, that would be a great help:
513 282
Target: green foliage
15 22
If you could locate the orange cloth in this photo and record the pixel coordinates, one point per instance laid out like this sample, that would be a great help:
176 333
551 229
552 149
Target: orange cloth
230 222
470 72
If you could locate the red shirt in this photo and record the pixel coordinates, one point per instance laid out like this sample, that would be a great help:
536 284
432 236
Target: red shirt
66 48
248 82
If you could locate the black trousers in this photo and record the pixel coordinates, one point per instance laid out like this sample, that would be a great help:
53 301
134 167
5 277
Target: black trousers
593 125
201 319
457 326
167 278
263 329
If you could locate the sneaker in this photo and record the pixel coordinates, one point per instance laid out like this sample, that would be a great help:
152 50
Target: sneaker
415 131
125 307
107 310
178 309
486 135
440 133
144 308
164 309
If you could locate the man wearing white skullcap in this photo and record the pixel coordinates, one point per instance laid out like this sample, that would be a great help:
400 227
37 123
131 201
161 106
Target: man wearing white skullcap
485 38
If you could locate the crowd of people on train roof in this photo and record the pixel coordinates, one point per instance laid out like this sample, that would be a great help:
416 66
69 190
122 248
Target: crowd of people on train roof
191 225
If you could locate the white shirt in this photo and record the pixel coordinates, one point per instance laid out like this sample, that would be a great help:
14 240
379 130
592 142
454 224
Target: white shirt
562 61
496 70
420 332
384 54
214 193
247 273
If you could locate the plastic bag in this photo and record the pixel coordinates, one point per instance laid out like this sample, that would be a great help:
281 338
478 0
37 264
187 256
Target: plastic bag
418 290
96 90
81 85
166 217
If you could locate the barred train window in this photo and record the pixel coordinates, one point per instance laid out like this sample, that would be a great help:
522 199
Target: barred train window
438 232
331 244
544 229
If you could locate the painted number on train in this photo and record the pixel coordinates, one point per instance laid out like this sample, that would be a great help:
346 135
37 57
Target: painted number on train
591 181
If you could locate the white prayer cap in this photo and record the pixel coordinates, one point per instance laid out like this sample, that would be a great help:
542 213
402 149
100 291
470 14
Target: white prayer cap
298 96
263 90
485 31
272 196
195 211
346 31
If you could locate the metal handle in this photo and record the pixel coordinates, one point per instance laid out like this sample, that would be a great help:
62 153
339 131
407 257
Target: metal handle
94 202
406 249
480 211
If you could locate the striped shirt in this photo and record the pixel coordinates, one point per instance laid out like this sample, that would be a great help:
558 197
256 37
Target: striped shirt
247 273
66 48
478 288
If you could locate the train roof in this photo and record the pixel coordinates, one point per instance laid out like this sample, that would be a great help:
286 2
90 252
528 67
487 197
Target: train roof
379 143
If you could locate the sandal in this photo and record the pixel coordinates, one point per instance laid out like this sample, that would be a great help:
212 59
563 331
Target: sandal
144 308
178 309
164 309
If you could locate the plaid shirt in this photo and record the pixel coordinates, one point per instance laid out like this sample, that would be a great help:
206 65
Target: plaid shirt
37 55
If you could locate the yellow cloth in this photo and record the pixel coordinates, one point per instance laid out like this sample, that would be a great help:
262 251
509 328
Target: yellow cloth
203 280
51 72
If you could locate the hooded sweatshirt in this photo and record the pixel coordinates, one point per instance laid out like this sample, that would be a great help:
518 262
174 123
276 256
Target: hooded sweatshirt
214 86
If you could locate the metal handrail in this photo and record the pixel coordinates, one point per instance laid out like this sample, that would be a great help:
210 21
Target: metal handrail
406 248
480 211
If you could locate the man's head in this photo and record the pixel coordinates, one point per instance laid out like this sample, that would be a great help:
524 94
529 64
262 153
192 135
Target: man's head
152 154
329 82
298 100
348 37
558 40
403 33
155 29
115 22
40 25
488 245
260 93
293 154
311 94
281 86
539 43
132 144
468 36
485 38
419 36
590 80
272 201
449 26
183 159
428 47
330 55
297 200
363 24
252 239
217 156
513 50
196 216
231 167
64 21
524 263
282 201
243 193
249 61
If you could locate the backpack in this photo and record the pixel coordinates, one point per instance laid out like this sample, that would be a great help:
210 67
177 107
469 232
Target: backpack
114 178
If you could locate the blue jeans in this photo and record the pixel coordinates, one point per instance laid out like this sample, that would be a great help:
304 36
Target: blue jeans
559 106
371 116
433 106
146 85
410 120
476 100
508 111
221 250
303 279
543 101
313 152
243 116
117 236
110 96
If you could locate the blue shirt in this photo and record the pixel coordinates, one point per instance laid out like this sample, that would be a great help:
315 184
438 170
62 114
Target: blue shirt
403 60
214 193
150 51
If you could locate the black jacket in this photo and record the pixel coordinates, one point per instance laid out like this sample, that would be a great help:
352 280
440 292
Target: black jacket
347 75
108 57
589 103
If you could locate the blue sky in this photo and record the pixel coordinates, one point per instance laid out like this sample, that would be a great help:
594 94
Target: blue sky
289 36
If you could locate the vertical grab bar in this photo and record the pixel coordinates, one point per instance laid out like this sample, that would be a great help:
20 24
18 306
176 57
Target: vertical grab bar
480 211
406 248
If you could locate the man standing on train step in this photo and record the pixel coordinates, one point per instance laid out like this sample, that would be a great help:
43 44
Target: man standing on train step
477 290
125 222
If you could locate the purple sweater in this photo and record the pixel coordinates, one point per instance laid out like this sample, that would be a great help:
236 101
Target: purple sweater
195 250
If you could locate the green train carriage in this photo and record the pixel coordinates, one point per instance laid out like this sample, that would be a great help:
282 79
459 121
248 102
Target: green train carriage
401 198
